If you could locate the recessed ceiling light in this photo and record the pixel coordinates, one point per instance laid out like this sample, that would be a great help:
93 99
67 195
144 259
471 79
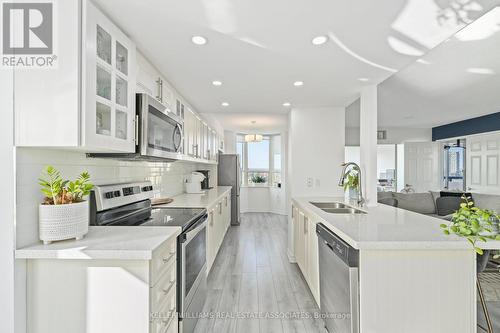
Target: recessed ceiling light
286 104
423 61
199 40
479 70
298 83
225 104
319 40
216 83
363 79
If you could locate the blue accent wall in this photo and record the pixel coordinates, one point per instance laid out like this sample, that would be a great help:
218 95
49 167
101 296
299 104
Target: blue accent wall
488 123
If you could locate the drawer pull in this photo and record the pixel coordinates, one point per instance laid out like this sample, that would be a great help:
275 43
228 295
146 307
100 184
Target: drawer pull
165 260
168 321
167 290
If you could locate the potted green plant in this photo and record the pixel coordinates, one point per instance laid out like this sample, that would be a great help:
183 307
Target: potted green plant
352 184
258 179
473 223
64 214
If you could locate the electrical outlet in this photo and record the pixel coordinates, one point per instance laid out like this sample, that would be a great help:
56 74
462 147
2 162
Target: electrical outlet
309 182
318 183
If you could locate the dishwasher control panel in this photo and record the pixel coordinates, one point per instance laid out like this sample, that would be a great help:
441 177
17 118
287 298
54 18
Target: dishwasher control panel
344 251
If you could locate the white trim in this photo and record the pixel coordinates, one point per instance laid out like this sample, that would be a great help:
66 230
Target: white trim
291 257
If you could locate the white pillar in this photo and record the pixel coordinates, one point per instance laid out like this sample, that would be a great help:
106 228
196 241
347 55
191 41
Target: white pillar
368 143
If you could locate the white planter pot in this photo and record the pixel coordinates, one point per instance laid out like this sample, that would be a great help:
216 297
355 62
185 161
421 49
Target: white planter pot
60 222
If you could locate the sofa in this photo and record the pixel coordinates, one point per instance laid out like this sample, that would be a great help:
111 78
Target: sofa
433 204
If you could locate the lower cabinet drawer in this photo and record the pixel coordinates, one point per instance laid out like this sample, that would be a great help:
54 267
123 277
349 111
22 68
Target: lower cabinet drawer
162 260
163 300
165 288
166 321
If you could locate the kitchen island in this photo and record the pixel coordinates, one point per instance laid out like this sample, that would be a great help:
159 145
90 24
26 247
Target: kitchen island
412 277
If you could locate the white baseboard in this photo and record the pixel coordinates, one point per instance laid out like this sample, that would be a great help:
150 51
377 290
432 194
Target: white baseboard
291 257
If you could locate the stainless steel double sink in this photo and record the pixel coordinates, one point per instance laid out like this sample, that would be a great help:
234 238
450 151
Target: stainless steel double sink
336 208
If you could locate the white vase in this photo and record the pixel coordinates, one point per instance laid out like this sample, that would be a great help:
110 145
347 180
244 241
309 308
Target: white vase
60 222
353 194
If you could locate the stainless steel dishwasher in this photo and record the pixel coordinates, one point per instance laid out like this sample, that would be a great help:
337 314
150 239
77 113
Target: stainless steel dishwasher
338 280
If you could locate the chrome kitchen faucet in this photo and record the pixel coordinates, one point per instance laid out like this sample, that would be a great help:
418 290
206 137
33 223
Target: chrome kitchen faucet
343 176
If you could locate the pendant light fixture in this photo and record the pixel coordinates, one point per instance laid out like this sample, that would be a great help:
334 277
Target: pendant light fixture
253 137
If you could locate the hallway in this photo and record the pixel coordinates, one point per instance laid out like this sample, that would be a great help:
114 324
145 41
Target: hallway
252 287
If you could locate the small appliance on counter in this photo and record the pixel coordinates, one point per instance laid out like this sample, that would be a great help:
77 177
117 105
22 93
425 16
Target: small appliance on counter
193 183
205 184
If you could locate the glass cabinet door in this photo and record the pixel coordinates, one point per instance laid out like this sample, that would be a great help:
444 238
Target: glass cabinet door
112 71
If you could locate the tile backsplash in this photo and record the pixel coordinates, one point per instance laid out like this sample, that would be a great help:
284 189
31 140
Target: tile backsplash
167 179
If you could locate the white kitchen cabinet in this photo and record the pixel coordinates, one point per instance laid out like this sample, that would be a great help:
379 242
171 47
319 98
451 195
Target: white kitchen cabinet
295 223
92 109
301 246
312 275
190 132
109 84
180 107
211 238
104 295
306 249
219 220
213 145
204 141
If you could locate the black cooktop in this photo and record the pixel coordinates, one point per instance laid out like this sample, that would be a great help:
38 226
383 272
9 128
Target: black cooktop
173 217
143 214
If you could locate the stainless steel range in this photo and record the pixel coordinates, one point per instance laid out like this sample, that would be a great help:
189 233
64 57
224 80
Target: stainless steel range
129 204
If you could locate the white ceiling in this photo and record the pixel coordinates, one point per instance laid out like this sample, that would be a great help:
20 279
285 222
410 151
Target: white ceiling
457 80
258 48
265 123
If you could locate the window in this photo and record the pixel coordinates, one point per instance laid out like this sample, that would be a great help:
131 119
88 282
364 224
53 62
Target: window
260 161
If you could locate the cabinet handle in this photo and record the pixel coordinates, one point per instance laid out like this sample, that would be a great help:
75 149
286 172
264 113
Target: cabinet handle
211 218
226 200
165 260
220 208
167 290
159 83
305 225
136 130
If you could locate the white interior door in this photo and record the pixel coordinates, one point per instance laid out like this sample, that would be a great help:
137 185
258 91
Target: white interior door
482 156
421 163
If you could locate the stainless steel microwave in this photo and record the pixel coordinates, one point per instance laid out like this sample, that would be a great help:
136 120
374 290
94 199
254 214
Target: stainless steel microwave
159 133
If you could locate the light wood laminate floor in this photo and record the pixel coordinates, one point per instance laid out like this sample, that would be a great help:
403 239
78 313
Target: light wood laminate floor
252 282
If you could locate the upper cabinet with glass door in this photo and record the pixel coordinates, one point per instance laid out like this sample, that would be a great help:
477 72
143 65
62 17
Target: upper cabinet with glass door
91 109
109 70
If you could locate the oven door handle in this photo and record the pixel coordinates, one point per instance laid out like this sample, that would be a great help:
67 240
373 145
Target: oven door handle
194 229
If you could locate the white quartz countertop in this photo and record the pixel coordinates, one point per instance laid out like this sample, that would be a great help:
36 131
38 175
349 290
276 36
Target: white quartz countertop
115 242
384 227
205 200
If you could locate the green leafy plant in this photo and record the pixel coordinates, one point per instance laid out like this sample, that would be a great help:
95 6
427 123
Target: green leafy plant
352 180
59 192
471 223
257 179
